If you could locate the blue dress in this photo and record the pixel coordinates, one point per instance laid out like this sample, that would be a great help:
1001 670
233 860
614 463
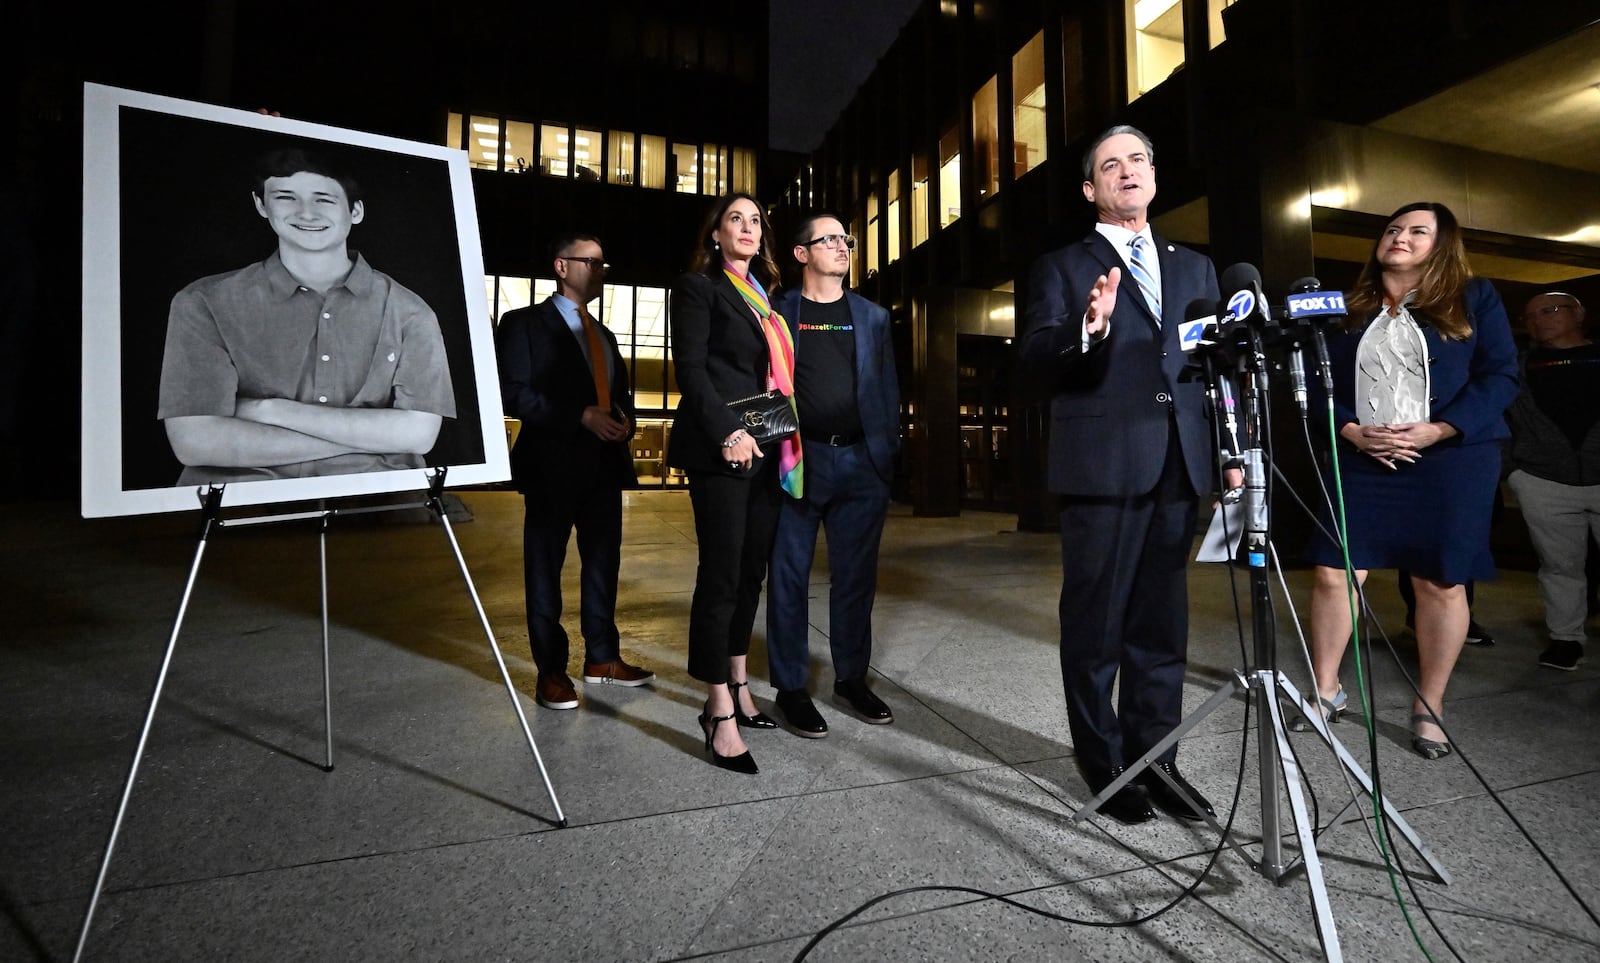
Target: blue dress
1430 517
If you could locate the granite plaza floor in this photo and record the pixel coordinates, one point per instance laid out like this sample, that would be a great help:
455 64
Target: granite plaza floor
433 837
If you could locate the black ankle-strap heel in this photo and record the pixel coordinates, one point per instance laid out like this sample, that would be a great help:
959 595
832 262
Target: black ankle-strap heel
744 762
758 721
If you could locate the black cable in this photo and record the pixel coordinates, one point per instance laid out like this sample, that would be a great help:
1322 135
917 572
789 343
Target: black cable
1371 619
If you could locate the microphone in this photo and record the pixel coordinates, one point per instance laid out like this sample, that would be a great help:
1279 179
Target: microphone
1306 305
1200 330
1199 326
1308 300
1249 305
1297 376
1247 302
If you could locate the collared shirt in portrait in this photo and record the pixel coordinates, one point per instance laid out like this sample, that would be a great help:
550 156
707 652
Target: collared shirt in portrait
258 333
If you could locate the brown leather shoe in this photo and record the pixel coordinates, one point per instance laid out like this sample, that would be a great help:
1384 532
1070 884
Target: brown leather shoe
616 673
555 691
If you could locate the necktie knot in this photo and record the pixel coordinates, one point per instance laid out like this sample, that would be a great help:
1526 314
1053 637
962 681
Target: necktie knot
1139 265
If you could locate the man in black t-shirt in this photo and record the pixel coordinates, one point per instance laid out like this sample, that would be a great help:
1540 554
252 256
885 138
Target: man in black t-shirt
848 396
1554 457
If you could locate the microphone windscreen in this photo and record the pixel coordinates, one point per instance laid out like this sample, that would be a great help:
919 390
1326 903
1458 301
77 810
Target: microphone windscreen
1240 277
1198 309
1305 285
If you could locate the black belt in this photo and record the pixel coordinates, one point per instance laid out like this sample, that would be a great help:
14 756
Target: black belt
835 441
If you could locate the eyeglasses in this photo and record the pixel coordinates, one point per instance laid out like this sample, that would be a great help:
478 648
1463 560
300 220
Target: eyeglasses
833 241
593 262
1548 310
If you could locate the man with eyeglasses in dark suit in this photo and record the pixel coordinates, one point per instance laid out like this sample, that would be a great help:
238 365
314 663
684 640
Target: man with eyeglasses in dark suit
562 374
848 395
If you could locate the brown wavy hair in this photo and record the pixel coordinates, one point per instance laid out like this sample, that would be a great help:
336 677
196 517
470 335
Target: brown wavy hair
1445 273
708 259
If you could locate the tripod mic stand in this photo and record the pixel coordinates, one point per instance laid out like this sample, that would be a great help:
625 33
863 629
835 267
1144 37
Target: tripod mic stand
1267 682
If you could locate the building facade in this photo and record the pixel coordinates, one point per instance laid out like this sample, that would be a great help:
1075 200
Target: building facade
1285 131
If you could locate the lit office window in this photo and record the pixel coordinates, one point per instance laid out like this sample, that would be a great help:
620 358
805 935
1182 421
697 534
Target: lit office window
586 154
519 146
542 289
714 173
555 150
650 322
685 168
872 234
452 131
743 174
483 143
621 169
1155 43
506 294
652 161
1028 144
894 217
1214 19
858 251
919 199
986 138
949 177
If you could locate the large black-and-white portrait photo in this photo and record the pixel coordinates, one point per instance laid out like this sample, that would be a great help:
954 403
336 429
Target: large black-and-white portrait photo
286 310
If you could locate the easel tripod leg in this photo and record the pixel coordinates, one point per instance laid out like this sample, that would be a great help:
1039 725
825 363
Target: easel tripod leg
213 505
437 502
327 669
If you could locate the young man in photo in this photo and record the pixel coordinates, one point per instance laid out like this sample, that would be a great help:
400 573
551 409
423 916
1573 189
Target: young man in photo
308 363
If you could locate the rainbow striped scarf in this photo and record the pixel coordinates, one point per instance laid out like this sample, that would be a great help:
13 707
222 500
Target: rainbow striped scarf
780 373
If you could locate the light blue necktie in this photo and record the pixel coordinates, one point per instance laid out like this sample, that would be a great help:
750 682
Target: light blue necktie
1141 273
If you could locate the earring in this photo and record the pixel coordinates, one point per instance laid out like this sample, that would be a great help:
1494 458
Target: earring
716 245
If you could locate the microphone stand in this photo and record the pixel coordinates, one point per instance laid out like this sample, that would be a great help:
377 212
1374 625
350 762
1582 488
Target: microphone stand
1272 737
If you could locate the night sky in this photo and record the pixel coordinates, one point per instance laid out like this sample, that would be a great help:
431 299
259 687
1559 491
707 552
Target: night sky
820 52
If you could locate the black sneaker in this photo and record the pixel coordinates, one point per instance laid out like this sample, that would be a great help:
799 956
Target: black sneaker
1478 635
1562 654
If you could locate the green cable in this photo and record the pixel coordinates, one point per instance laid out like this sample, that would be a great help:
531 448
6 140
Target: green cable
1351 593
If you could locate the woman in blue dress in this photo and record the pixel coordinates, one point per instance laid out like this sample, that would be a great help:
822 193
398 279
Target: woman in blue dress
1421 383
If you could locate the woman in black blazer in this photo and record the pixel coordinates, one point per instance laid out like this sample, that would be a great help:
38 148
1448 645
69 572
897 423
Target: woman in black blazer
721 353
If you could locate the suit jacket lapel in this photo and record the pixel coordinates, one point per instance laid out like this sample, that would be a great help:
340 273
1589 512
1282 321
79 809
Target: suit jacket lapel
1128 289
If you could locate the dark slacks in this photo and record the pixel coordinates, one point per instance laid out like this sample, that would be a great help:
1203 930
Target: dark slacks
846 498
734 519
1124 608
547 524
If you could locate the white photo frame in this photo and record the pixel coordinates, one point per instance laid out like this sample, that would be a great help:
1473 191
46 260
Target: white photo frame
167 200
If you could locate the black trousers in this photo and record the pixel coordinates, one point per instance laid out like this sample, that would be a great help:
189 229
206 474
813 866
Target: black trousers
734 522
1125 610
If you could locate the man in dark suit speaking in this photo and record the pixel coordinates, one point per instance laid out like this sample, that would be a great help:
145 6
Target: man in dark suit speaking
562 374
1130 451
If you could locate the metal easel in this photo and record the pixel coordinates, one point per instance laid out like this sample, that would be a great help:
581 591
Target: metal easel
211 519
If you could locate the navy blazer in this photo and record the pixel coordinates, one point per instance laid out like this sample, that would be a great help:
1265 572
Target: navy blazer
718 355
877 383
1471 383
545 382
1112 405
